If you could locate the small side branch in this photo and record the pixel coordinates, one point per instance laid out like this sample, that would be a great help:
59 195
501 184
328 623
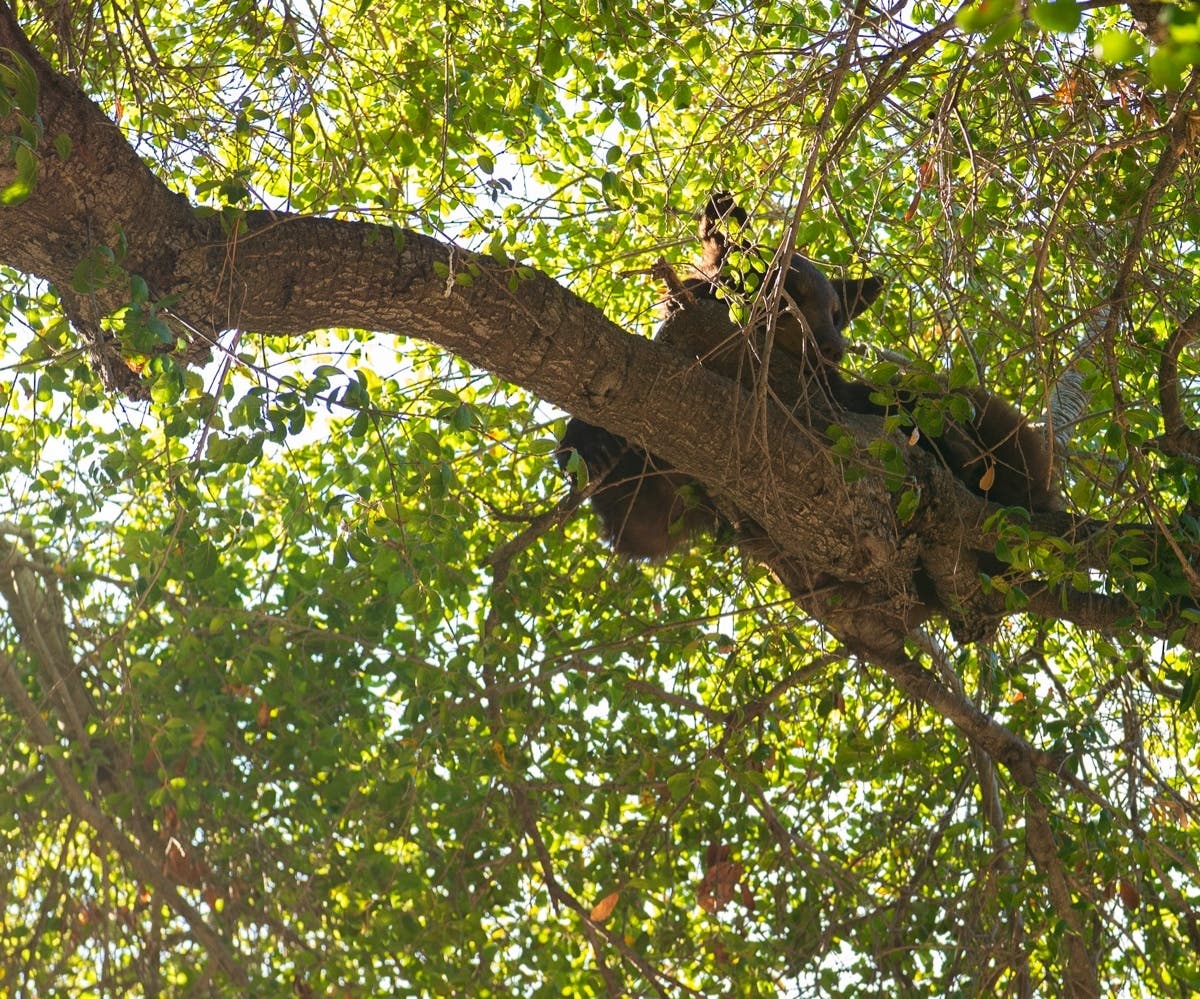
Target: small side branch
1104 612
1180 440
30 591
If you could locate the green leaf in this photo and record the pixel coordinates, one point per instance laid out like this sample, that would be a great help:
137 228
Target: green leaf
1168 63
26 177
984 15
167 384
542 446
95 271
908 504
19 79
680 785
515 96
1191 687
1062 16
1119 46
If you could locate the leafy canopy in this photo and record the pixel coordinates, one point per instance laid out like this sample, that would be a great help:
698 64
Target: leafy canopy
381 748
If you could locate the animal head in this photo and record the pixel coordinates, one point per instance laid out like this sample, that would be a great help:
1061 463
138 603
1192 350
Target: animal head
813 308
817 307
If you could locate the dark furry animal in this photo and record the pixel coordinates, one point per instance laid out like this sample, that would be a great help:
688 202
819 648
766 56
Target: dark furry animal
995 451
649 509
646 507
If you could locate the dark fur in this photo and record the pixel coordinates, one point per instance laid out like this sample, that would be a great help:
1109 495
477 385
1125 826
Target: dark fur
648 509
997 454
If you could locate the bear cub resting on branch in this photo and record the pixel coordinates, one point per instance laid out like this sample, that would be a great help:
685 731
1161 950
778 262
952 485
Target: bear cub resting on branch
648 509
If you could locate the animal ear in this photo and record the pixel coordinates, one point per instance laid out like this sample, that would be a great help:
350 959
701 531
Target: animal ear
720 208
857 294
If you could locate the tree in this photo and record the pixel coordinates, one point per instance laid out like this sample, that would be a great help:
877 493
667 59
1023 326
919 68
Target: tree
316 677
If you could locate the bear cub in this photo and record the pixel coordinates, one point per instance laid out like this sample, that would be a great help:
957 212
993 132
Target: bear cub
648 509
